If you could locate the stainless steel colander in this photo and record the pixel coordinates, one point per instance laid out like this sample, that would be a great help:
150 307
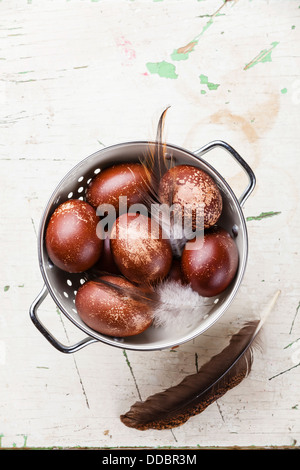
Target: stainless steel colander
62 286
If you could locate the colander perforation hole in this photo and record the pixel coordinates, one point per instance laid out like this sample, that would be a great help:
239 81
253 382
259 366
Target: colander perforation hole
81 178
97 171
70 195
79 190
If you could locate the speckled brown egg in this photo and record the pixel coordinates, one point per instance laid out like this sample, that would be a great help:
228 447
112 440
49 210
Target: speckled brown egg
124 179
111 312
71 240
189 188
210 264
140 249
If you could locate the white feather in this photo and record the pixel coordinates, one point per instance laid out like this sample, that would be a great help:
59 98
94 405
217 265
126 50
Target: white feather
179 307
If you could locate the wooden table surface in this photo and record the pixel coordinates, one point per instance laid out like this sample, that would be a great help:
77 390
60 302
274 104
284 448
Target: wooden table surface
77 76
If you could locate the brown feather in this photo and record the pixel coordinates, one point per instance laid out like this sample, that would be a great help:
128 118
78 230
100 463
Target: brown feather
155 163
221 373
143 293
176 405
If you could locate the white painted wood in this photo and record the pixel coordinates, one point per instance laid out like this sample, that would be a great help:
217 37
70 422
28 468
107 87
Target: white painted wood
74 78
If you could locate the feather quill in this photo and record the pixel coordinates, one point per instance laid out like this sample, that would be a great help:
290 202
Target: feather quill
196 392
156 163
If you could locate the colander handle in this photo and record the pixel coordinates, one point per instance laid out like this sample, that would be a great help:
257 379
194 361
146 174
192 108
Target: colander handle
238 158
57 344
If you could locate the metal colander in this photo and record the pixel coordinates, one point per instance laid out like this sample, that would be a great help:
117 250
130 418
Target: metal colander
62 286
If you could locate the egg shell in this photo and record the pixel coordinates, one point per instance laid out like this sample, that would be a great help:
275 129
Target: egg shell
107 311
139 248
190 188
124 179
210 264
71 240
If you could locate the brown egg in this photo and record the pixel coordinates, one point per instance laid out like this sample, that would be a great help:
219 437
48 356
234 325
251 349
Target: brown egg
110 312
71 240
124 179
191 188
210 264
139 248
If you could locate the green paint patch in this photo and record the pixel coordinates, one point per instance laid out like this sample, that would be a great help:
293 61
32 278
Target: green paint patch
163 69
210 85
206 26
6 288
179 55
283 91
264 56
182 53
262 215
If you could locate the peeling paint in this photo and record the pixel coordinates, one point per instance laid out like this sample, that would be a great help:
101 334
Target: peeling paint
262 215
163 69
264 56
210 85
182 53
167 70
